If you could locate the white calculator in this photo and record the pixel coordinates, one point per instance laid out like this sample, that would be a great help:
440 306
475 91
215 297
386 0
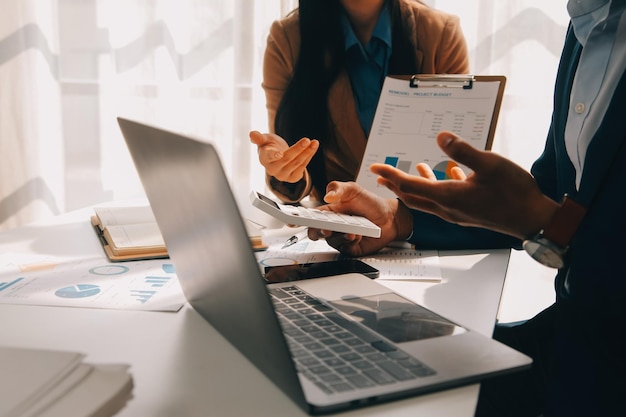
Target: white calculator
311 217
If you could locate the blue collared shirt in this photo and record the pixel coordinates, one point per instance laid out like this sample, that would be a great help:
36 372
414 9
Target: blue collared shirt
600 27
368 65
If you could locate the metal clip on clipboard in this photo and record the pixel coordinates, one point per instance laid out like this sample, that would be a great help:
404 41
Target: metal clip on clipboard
442 80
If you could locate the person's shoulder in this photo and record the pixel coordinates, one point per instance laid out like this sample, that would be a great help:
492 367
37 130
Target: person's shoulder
287 26
283 45
426 15
438 37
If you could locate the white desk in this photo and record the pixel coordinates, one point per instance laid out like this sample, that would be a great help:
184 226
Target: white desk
182 367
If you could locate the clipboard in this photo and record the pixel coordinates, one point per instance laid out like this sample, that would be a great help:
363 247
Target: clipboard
413 109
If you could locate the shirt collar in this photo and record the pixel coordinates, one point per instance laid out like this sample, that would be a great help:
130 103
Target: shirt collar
577 8
382 30
586 14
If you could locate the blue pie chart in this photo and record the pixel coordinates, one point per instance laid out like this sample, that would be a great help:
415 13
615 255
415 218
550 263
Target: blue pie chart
78 291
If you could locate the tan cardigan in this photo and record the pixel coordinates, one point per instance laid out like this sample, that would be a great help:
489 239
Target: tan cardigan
441 49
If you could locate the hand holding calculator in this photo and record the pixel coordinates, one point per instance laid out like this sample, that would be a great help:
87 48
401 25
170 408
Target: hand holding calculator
312 217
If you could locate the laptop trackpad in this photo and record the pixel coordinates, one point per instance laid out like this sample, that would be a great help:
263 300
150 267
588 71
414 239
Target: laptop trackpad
396 318
378 308
341 287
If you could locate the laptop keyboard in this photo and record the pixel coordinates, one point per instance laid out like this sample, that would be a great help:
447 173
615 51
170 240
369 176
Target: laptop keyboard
335 353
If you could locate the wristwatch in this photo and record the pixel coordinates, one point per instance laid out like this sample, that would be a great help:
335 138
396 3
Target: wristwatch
550 245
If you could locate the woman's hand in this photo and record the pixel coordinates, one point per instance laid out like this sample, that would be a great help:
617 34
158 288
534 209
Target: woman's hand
285 163
394 219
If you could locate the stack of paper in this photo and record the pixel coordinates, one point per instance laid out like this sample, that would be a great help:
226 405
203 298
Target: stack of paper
47 383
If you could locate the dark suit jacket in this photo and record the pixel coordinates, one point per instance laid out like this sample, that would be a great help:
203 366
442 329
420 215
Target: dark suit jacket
578 345
588 336
595 274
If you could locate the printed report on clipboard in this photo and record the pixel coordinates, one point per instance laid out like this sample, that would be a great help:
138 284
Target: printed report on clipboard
412 110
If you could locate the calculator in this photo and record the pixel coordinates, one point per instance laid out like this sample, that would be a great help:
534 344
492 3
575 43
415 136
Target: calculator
311 217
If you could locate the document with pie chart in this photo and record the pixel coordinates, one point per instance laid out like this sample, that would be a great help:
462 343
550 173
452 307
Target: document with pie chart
92 282
411 112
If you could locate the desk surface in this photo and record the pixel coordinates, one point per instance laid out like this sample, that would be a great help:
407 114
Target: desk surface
182 367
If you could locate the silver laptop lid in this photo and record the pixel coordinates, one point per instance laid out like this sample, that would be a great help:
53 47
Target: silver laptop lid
209 246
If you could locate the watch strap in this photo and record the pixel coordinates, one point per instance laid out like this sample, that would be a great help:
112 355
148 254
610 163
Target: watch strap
564 222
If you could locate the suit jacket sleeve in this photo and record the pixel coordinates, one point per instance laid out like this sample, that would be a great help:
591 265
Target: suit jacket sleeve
432 232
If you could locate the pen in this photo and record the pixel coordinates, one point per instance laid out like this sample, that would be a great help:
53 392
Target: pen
295 238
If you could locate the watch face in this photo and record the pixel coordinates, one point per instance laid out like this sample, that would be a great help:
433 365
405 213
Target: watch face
544 253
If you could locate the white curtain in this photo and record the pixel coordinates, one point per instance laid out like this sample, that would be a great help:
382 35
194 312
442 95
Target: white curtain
68 68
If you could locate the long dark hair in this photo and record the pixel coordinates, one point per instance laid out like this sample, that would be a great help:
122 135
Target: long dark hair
303 111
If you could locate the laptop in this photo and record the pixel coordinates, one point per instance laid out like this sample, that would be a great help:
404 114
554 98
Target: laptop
330 344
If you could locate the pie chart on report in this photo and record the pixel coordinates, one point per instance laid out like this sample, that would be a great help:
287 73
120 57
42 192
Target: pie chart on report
78 291
442 170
